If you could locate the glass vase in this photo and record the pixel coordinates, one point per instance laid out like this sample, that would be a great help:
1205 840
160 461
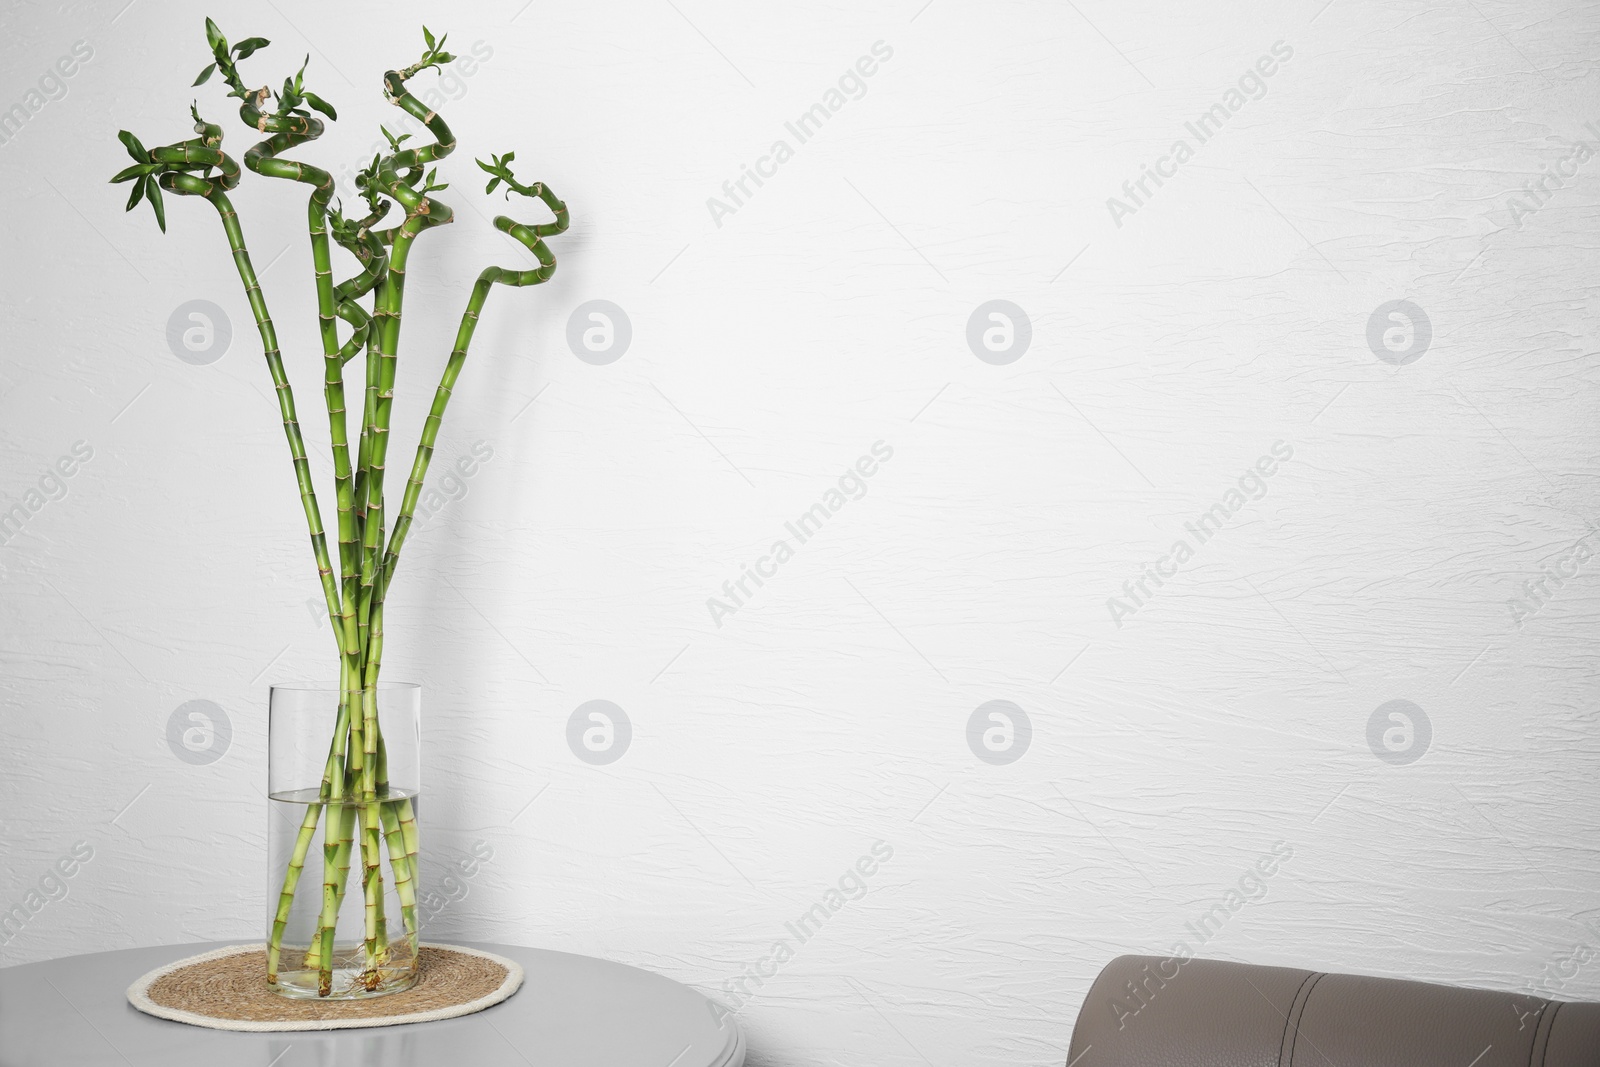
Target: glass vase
342 920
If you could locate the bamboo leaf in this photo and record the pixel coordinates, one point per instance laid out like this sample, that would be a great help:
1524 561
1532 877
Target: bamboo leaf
321 105
485 166
131 173
214 36
509 156
205 74
249 46
138 194
131 143
444 57
427 35
492 183
153 191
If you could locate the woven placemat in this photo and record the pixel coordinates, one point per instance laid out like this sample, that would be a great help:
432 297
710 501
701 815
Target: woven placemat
227 990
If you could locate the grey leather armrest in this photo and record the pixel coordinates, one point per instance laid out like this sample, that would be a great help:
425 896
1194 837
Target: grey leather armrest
1149 1011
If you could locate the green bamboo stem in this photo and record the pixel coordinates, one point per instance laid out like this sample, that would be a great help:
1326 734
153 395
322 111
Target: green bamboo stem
341 823
366 246
333 879
289 130
302 845
347 831
204 153
369 251
291 879
337 839
394 176
338 832
406 821
531 238
336 869
213 190
199 152
381 947
372 886
400 831
368 432
421 213
289 126
400 861
390 300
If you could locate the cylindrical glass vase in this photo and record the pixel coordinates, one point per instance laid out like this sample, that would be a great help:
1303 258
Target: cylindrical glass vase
342 915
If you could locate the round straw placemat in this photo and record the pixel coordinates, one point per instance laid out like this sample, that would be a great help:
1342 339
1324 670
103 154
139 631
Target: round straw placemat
227 990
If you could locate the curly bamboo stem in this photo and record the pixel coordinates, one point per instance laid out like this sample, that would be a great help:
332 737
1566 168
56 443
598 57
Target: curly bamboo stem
531 238
189 185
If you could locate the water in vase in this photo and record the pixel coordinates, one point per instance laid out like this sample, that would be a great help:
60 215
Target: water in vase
347 926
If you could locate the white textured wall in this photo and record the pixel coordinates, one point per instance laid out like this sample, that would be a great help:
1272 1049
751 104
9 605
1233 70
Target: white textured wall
828 312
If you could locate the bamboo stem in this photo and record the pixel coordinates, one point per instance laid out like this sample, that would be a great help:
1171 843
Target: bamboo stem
531 238
400 861
302 845
291 879
186 184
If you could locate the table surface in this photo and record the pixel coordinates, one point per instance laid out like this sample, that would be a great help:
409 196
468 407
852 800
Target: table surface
572 1011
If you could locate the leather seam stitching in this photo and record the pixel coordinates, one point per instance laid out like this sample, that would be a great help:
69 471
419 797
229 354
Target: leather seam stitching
1291 1021
1295 1048
1547 1032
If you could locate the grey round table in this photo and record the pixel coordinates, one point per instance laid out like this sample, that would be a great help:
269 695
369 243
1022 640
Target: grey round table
572 1011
